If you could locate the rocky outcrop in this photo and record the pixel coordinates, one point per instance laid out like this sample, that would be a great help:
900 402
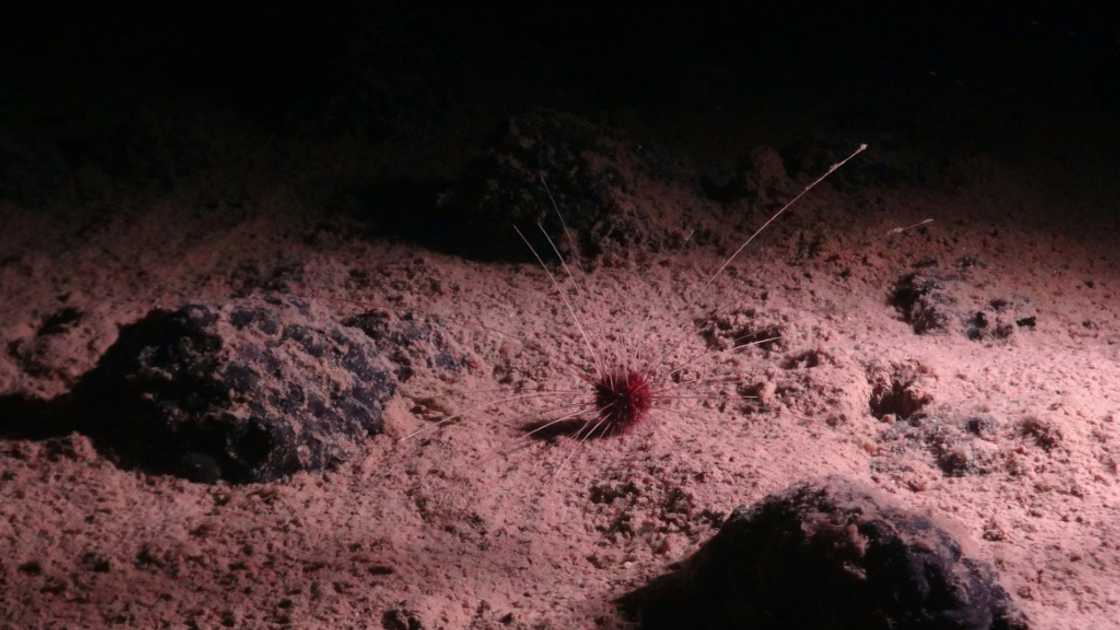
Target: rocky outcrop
827 555
535 167
250 390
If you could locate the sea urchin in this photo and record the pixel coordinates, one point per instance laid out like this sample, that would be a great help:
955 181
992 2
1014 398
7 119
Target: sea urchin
623 398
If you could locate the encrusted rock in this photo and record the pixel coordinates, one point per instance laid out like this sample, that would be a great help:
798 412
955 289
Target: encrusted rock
830 554
931 300
922 301
537 159
250 390
411 341
956 445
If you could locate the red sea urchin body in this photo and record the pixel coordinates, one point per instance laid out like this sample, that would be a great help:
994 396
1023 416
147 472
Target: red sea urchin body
624 398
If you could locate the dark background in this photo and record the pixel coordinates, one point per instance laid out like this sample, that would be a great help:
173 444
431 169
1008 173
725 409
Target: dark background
96 103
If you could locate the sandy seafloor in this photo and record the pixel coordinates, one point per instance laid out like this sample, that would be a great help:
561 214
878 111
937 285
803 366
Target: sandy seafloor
469 526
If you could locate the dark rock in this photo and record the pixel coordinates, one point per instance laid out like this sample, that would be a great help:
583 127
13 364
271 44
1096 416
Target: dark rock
999 319
922 301
934 301
531 166
409 340
531 161
27 417
200 468
760 177
535 159
826 555
251 390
